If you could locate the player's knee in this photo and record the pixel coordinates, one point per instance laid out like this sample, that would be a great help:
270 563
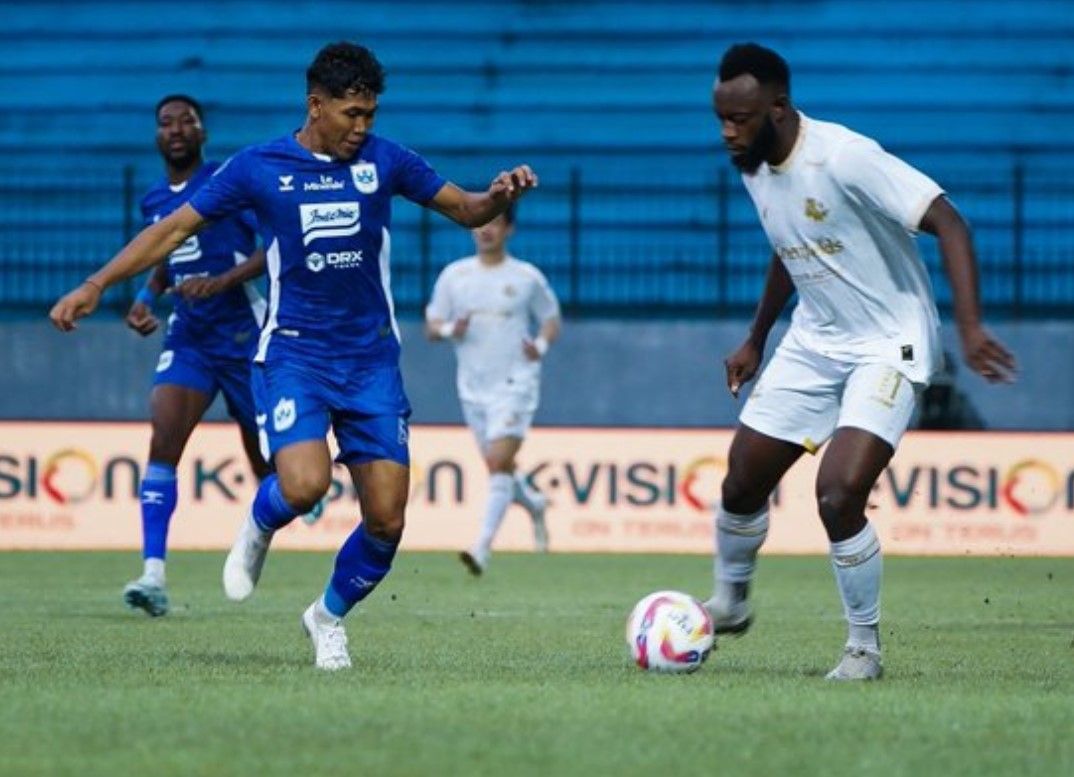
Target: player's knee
304 490
838 503
499 464
386 525
739 496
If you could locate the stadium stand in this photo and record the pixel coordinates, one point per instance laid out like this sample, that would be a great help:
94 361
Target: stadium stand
639 213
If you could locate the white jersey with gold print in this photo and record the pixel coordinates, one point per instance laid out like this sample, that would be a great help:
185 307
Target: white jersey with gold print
842 215
506 303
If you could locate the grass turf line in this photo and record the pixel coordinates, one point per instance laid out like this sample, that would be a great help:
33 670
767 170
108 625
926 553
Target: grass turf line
525 671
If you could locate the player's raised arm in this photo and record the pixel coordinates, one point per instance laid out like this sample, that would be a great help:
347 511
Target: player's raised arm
742 365
150 246
475 209
985 355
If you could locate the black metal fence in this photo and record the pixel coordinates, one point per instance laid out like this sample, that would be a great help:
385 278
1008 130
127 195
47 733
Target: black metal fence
608 248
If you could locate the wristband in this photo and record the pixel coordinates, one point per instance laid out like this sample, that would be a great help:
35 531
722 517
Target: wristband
446 330
94 284
146 296
541 344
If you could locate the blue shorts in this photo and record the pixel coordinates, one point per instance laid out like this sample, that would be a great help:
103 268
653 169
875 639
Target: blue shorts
184 364
366 407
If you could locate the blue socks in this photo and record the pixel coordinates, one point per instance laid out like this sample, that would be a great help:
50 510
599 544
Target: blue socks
362 562
271 511
159 493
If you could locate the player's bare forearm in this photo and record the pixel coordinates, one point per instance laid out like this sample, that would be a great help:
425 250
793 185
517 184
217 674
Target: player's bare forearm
149 247
959 260
475 209
550 329
158 280
254 267
778 288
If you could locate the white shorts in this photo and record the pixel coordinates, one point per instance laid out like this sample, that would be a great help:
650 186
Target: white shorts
803 397
506 416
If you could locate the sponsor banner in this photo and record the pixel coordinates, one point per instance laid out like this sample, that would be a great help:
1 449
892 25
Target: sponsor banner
75 486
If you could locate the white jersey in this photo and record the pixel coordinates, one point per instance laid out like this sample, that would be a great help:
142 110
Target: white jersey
504 302
842 215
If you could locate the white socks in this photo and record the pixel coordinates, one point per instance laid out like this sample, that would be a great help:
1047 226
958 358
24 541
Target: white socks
858 566
738 538
501 490
525 494
154 570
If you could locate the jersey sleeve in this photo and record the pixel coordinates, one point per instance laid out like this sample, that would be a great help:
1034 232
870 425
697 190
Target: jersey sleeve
228 191
885 183
440 307
543 302
414 178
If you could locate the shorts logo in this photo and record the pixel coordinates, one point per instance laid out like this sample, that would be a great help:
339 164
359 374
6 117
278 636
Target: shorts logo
189 251
315 262
261 418
329 219
404 433
287 183
165 361
364 175
284 415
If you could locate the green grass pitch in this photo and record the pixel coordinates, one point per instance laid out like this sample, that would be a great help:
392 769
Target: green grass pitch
525 672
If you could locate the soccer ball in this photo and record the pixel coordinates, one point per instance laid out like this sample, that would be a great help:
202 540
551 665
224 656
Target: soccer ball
669 631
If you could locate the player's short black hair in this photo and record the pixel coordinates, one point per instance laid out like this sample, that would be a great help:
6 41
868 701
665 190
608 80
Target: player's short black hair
768 67
343 67
186 98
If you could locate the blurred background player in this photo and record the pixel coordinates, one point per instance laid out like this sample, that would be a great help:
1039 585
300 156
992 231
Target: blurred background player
841 215
328 355
209 339
486 305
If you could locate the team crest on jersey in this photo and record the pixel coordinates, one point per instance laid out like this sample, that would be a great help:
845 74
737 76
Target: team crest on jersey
815 210
509 290
364 175
283 415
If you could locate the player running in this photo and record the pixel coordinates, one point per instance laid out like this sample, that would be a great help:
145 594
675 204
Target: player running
209 339
841 215
328 354
485 306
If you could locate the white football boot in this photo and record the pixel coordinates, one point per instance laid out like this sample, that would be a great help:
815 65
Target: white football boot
474 562
242 568
729 617
147 594
329 641
858 663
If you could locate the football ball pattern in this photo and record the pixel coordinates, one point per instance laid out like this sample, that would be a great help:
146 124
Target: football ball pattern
669 631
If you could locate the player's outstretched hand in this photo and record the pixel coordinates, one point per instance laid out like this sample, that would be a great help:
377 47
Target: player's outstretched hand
75 304
200 288
986 355
462 324
141 319
741 366
511 184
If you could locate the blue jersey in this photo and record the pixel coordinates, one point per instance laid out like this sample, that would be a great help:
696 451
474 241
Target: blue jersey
326 228
226 324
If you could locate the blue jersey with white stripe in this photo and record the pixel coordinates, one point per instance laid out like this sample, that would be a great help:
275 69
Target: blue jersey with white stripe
225 324
326 225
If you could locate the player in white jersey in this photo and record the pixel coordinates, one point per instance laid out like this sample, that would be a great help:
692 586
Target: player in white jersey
487 306
841 215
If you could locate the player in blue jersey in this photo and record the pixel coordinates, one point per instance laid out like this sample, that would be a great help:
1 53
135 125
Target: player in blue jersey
328 355
209 339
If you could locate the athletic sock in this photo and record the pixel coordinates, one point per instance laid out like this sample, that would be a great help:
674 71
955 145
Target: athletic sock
159 494
362 562
858 566
270 510
525 494
738 539
501 487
